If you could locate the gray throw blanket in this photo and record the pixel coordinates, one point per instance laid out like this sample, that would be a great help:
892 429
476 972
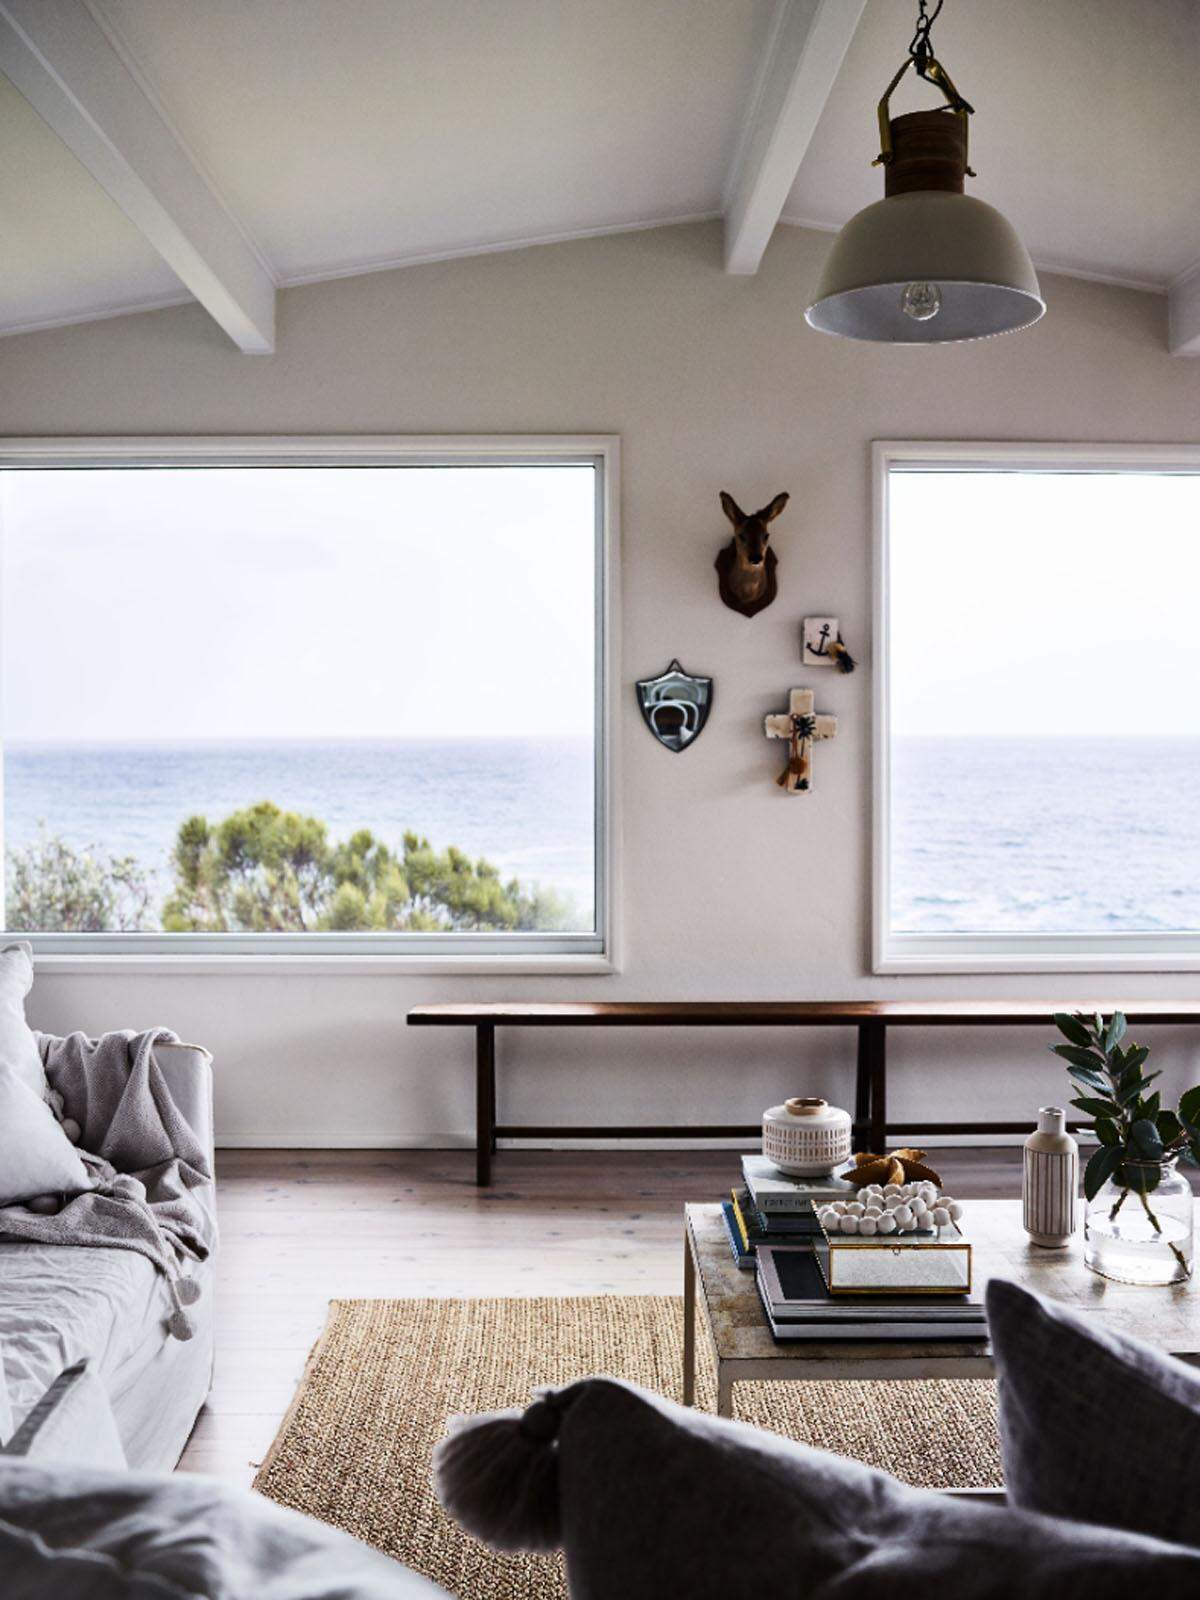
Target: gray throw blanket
142 1155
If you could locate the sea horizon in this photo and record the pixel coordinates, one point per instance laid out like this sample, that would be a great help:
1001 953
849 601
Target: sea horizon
209 740
1032 833
524 804
220 741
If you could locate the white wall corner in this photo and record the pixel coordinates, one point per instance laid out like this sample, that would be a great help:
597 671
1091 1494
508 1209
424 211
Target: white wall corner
1183 313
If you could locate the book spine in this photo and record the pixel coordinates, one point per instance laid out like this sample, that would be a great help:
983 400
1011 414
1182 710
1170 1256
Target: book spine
755 1226
742 1258
792 1204
741 1222
803 1221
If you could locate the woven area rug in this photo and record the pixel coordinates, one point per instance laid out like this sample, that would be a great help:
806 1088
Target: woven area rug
355 1448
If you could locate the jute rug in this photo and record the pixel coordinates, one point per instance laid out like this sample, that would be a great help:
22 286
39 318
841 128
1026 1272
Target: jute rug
355 1448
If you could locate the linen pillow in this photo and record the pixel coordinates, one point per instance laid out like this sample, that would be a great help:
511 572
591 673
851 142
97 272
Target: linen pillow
72 1423
649 1499
36 1157
1094 1425
18 1047
136 1536
6 1415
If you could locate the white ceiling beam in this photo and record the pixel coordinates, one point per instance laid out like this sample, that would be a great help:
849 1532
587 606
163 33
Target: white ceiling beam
69 68
1183 313
808 42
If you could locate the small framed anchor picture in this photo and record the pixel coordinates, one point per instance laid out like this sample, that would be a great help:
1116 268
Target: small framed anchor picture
821 644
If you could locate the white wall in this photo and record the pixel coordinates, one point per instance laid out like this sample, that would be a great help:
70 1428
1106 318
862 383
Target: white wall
731 889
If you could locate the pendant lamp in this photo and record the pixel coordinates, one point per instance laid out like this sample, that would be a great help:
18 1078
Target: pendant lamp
928 264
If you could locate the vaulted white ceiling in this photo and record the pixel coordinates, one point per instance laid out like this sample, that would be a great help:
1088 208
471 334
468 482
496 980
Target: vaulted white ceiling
221 147
66 250
350 132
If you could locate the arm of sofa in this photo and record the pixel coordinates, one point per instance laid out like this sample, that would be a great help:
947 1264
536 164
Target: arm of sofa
188 1071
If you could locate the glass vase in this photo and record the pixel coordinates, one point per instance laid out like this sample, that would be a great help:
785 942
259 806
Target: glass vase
1138 1228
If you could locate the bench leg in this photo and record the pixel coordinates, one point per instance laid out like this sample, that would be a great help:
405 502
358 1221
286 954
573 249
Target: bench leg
870 1087
862 1093
877 1067
485 1104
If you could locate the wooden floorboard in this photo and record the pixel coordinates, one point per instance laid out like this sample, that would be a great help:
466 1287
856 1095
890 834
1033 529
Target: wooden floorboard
302 1227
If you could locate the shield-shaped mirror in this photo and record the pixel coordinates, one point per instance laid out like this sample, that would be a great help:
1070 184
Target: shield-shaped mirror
675 706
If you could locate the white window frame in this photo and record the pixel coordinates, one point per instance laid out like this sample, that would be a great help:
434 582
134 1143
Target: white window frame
1002 952
383 954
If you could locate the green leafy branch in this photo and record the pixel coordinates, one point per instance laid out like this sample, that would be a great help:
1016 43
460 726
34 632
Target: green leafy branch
1136 1132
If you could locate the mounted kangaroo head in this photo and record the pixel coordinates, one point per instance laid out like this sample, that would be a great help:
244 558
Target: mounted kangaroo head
750 533
746 567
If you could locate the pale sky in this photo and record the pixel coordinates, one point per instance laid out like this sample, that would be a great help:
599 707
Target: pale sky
287 602
1045 604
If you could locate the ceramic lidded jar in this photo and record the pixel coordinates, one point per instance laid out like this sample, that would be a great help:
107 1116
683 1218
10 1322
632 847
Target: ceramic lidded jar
807 1137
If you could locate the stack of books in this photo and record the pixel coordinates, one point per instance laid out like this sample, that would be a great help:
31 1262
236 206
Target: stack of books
799 1305
771 1220
771 1208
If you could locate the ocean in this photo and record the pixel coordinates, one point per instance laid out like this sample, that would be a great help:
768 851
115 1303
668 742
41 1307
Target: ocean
988 835
524 804
1046 835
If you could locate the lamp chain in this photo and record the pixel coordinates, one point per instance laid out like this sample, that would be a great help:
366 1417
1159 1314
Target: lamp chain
921 48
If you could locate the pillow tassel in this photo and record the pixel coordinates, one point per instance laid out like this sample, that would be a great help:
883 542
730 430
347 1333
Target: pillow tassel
498 1474
184 1292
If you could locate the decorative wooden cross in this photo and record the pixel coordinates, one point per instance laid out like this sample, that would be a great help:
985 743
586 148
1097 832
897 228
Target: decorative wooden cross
800 725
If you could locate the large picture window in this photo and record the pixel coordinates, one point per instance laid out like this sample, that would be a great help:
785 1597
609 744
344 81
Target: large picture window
308 697
1037 794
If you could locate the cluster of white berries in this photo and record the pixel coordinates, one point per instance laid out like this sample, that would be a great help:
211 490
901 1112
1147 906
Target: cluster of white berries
891 1208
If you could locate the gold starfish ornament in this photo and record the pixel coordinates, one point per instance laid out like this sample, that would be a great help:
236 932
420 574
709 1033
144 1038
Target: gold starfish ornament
897 1166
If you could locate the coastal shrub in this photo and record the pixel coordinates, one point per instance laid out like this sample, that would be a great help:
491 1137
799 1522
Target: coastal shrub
50 887
266 870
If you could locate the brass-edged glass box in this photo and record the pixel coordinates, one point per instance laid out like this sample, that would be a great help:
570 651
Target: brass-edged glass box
938 1262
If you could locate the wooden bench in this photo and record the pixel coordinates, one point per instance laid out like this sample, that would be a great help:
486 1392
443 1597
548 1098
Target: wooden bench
871 1018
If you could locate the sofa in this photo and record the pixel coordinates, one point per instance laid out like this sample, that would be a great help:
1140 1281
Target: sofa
1100 1437
70 1533
108 1309
648 1499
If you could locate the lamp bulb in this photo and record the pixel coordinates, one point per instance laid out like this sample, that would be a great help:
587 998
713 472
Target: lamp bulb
921 301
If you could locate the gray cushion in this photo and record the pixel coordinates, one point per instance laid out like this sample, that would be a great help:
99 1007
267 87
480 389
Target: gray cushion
653 1500
1095 1426
79 1535
6 1410
72 1423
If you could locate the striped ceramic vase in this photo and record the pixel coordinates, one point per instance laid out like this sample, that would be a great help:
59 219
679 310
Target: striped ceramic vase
1050 1181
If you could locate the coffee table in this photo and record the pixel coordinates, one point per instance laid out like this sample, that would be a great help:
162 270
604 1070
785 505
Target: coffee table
746 1351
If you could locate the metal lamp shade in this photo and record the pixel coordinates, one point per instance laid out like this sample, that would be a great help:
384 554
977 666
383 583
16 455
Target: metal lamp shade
961 245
